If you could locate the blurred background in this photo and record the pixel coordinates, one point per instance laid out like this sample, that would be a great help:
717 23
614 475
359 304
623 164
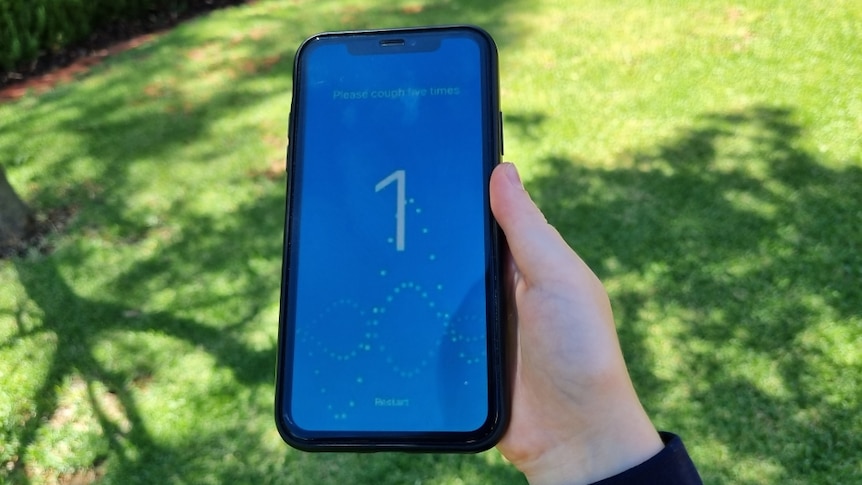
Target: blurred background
705 158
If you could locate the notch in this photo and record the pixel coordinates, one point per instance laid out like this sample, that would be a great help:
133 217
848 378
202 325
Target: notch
384 44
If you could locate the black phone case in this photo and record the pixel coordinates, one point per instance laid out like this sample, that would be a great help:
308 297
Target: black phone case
499 395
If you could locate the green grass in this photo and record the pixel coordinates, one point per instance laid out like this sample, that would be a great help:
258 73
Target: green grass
704 159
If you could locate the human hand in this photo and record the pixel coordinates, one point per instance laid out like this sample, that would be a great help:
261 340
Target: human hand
575 415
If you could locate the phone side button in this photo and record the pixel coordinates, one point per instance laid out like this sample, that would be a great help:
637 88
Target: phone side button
501 133
287 149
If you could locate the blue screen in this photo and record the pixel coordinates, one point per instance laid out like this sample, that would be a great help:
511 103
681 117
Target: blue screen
389 230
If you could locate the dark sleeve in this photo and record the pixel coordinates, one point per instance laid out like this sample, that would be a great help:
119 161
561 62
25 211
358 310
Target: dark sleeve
671 466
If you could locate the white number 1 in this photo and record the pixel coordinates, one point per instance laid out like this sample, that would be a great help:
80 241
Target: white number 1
400 178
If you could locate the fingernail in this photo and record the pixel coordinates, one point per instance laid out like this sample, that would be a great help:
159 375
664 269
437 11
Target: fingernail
512 174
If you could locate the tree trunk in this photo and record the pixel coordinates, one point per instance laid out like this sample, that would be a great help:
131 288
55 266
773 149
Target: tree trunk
15 217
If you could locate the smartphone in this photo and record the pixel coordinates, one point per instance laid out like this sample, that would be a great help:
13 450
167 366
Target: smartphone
391 322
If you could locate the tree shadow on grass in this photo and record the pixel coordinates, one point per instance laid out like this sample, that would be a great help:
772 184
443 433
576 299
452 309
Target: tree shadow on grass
741 251
78 325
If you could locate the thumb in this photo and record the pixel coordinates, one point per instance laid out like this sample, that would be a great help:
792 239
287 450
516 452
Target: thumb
537 248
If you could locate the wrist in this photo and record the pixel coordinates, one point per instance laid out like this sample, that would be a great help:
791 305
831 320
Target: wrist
597 453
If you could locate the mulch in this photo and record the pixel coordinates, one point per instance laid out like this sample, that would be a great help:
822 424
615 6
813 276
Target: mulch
64 64
36 239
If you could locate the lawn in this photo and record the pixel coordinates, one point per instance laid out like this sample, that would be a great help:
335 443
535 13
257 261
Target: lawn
705 160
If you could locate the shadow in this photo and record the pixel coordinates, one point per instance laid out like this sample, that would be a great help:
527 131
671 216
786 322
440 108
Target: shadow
524 125
79 325
148 149
743 248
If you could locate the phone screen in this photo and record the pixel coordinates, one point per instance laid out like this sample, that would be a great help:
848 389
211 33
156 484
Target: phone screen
390 240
